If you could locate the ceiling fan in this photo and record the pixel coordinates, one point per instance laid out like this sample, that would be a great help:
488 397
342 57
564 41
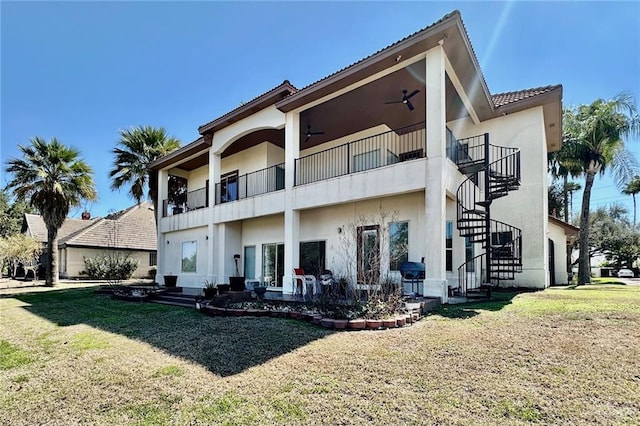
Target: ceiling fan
310 133
405 99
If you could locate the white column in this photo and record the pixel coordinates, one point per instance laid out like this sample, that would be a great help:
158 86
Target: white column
213 246
220 254
435 197
161 269
291 216
212 242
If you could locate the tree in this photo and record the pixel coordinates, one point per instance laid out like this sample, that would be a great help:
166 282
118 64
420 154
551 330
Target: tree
562 166
633 188
52 178
12 214
136 149
594 140
613 236
570 188
21 249
556 200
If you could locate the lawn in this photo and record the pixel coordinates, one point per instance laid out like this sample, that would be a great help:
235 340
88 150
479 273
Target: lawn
560 356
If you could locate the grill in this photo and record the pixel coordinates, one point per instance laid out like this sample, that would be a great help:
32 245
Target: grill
412 273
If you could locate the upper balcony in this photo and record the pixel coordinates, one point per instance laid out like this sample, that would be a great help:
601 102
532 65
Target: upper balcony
391 147
186 202
233 187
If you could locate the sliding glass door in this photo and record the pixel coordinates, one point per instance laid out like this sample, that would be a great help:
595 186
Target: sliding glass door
273 264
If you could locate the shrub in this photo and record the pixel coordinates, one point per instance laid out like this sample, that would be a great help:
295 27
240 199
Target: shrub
110 267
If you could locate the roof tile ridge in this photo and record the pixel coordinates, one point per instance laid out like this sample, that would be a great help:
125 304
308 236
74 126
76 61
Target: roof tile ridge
531 89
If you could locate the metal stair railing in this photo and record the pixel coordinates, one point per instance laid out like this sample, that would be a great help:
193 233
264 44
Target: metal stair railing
487 181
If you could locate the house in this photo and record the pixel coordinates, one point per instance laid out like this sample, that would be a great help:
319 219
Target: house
130 232
410 139
562 235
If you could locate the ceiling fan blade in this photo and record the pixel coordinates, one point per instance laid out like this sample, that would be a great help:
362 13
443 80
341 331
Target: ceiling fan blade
315 133
410 105
412 94
394 102
307 139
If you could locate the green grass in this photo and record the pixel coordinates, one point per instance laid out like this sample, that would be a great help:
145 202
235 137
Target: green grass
11 356
560 356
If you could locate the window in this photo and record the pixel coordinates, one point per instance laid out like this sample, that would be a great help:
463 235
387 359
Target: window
189 251
469 254
250 262
273 264
229 187
153 259
366 161
398 244
368 254
312 257
449 246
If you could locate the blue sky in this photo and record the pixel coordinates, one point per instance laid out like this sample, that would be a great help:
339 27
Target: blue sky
80 71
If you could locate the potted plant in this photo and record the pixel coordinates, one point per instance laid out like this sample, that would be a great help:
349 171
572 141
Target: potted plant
236 282
210 289
170 280
260 290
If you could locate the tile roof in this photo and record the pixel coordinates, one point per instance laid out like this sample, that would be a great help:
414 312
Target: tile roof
286 84
133 228
502 99
37 229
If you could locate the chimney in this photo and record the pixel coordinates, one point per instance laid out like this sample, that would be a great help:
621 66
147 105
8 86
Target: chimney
86 215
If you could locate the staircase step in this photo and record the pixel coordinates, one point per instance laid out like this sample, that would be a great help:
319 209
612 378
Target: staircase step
173 303
474 211
176 295
471 167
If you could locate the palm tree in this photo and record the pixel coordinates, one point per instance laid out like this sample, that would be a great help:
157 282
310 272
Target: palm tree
136 149
563 166
633 188
571 187
52 178
594 140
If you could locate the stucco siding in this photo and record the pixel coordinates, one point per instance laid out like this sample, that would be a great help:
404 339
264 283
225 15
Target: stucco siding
71 261
557 235
171 260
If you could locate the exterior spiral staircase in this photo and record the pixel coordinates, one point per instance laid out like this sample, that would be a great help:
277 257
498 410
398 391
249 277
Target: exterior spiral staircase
492 172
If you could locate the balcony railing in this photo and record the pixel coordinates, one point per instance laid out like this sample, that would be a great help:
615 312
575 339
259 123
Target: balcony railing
251 184
196 199
407 143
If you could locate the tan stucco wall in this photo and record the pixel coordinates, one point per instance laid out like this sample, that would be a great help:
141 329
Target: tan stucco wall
71 261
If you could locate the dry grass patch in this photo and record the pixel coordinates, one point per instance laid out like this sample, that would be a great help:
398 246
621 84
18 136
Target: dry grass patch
561 356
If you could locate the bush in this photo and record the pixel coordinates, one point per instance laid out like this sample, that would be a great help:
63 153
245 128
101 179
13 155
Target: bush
111 267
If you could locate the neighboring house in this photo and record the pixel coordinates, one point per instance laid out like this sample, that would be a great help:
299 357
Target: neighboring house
130 232
411 130
562 235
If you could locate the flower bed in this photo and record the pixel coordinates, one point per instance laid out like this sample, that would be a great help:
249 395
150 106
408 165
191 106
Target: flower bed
310 314
133 294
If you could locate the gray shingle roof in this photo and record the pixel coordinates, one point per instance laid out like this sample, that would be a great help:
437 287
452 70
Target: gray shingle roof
36 228
133 228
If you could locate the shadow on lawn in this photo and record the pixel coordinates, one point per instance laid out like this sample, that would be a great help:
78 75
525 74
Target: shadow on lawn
226 346
499 300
